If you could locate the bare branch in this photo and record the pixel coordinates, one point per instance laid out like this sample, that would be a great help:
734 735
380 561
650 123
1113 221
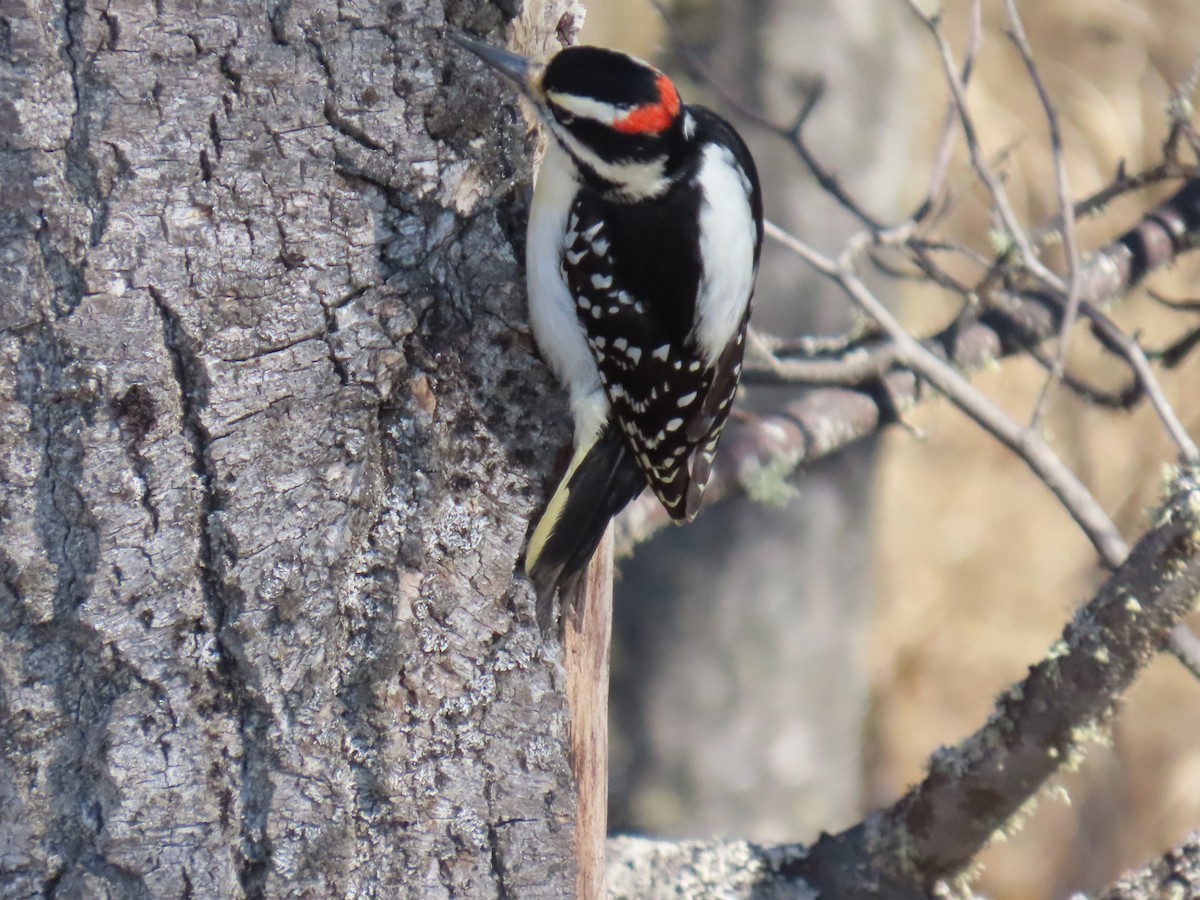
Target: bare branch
941 158
1015 232
1177 305
825 420
1061 480
1131 351
1070 242
1175 874
972 791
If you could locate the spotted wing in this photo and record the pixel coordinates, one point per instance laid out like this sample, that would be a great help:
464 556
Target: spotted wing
669 402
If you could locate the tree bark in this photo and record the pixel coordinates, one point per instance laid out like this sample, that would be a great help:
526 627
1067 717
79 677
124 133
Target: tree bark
269 439
587 639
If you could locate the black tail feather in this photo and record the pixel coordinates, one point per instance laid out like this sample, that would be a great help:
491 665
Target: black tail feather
602 484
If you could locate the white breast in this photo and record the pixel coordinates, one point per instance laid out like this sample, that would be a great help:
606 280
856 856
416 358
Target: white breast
727 237
551 306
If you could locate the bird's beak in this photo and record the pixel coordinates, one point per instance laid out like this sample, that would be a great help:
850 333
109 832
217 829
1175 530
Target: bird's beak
518 69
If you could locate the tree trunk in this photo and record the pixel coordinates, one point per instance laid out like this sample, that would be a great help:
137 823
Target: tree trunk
269 440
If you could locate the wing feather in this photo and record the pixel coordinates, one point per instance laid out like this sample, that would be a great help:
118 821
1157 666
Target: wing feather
668 401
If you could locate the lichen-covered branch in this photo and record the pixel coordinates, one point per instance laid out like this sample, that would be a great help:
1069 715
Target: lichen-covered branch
1175 874
974 790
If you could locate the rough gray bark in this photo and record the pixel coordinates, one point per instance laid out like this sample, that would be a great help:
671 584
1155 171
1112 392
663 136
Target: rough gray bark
269 439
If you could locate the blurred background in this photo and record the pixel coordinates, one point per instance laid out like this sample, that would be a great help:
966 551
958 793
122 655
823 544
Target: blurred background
783 669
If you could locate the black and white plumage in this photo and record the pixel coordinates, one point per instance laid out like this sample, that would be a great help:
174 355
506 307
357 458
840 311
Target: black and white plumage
643 245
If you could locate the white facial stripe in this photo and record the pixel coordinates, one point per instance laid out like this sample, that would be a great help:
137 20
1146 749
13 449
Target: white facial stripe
637 180
586 107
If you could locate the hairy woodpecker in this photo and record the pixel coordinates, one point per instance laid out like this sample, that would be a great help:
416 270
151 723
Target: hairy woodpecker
643 245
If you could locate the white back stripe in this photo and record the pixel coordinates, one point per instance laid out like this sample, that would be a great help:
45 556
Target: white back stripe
727 250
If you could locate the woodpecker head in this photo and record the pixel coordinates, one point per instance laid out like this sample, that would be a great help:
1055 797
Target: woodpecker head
618 118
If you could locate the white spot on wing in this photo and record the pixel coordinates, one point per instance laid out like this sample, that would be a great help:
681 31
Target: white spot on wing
662 352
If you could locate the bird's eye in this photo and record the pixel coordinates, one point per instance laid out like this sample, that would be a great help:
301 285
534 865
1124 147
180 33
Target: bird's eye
564 118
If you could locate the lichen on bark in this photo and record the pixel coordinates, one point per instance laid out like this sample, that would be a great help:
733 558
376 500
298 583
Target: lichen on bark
270 434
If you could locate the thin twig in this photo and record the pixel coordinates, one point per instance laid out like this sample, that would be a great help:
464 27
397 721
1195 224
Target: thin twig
1177 305
1122 183
1128 348
941 157
1062 188
1036 453
824 420
1178 350
1000 201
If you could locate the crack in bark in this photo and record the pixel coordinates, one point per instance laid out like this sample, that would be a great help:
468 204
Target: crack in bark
66 275
277 14
62 398
497 861
223 603
332 115
81 170
232 75
137 415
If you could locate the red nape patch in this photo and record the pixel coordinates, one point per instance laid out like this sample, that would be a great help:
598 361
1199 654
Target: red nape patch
652 118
